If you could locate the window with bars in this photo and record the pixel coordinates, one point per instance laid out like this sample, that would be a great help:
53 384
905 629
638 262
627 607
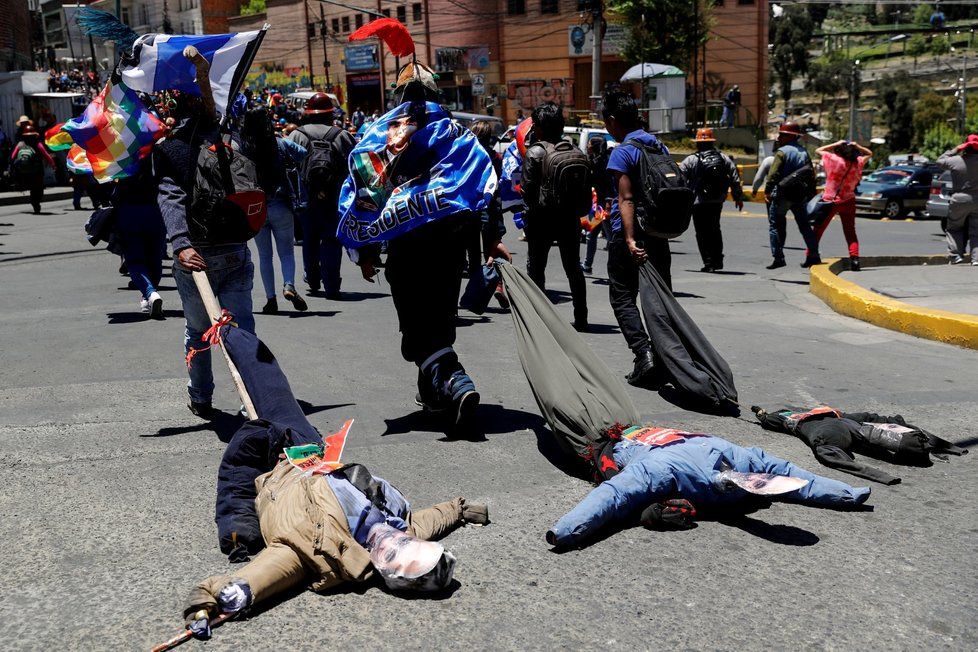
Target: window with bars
549 6
336 25
402 14
515 7
346 24
416 12
358 21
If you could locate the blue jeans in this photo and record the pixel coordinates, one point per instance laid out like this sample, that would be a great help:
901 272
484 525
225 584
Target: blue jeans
322 252
231 275
777 210
279 224
591 246
727 119
140 227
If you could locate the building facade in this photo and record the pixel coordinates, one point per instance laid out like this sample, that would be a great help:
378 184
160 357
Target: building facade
15 45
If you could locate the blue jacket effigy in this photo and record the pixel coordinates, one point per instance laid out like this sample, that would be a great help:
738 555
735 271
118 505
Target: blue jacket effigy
687 469
413 166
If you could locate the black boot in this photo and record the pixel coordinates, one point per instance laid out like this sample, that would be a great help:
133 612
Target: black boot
643 367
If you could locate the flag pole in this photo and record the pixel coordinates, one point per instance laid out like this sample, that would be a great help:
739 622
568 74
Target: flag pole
242 71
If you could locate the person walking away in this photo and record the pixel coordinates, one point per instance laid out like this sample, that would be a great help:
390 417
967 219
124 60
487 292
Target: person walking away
731 101
139 225
270 154
27 164
323 171
962 162
557 193
711 173
597 152
199 237
629 248
493 226
790 185
759 177
843 162
358 118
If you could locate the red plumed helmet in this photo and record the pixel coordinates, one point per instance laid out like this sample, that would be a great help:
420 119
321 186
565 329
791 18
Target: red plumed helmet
391 32
522 135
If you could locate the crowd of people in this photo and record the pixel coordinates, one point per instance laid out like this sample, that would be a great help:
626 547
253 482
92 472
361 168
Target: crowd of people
418 197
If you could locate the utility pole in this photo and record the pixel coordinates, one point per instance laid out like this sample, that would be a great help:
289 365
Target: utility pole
322 33
962 94
312 77
853 99
597 28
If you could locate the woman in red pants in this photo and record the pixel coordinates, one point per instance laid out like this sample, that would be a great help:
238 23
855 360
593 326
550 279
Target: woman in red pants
843 162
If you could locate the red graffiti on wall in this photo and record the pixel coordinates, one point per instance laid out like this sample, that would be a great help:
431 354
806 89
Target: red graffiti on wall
528 93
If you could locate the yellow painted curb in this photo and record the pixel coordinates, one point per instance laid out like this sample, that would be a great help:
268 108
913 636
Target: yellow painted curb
847 298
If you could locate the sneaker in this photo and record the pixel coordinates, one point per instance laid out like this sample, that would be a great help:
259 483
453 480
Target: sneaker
974 263
155 305
955 260
465 400
202 410
429 408
270 307
291 295
144 306
776 264
501 297
587 270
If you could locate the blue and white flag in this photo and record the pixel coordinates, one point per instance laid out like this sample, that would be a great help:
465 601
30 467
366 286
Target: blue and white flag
158 63
512 175
414 165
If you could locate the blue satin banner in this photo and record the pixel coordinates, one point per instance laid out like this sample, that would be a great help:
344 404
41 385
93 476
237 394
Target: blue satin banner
414 165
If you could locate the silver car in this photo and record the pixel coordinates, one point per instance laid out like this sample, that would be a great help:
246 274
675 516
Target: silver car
939 200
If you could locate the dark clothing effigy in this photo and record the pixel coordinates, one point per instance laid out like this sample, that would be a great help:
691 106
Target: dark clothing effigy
834 435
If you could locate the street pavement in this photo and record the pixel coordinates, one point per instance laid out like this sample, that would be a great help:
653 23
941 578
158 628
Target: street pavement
107 512
945 287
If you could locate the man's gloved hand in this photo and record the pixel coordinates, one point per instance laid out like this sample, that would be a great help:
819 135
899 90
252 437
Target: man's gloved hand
199 625
475 513
672 514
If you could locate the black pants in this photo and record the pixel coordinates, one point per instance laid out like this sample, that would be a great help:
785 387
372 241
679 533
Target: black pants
424 269
709 238
322 253
539 238
623 285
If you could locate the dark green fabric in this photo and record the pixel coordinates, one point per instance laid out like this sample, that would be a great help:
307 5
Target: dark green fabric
578 395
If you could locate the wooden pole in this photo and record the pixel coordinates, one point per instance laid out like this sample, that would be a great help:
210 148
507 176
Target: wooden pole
214 312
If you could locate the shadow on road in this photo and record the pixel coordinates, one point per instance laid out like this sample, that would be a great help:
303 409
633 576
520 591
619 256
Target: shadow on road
490 419
224 425
308 408
785 535
135 317
690 403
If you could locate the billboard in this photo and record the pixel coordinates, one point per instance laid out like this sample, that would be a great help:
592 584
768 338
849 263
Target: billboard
361 57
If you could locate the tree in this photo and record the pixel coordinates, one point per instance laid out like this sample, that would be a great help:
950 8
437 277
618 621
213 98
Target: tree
897 93
663 31
251 7
916 46
931 110
829 77
921 15
790 36
938 139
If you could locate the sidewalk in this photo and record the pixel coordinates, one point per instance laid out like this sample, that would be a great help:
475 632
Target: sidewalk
50 194
943 287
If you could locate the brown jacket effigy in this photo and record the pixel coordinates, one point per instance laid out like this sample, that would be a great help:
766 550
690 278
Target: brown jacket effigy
309 540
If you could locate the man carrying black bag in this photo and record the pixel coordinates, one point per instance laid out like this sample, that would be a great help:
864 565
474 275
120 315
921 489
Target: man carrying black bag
790 184
631 245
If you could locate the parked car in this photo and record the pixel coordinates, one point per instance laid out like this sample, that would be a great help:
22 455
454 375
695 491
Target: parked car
896 190
577 135
938 204
299 99
466 119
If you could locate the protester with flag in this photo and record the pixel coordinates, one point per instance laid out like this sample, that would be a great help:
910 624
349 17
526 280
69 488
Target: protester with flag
419 182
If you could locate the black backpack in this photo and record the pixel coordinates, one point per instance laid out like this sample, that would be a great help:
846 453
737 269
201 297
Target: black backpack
566 181
227 205
799 186
324 167
713 175
664 200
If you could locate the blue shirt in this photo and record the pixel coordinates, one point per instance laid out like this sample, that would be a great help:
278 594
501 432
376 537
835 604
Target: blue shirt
625 159
361 515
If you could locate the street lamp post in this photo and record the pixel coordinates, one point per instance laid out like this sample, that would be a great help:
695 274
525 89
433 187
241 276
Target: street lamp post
853 99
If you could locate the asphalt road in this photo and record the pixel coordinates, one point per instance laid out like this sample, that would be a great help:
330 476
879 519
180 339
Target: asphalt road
106 513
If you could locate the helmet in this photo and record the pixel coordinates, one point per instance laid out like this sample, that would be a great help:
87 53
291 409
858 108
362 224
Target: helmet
704 135
790 129
319 103
29 130
523 135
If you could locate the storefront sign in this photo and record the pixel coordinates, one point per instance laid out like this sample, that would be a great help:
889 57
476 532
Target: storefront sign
478 84
361 81
361 57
